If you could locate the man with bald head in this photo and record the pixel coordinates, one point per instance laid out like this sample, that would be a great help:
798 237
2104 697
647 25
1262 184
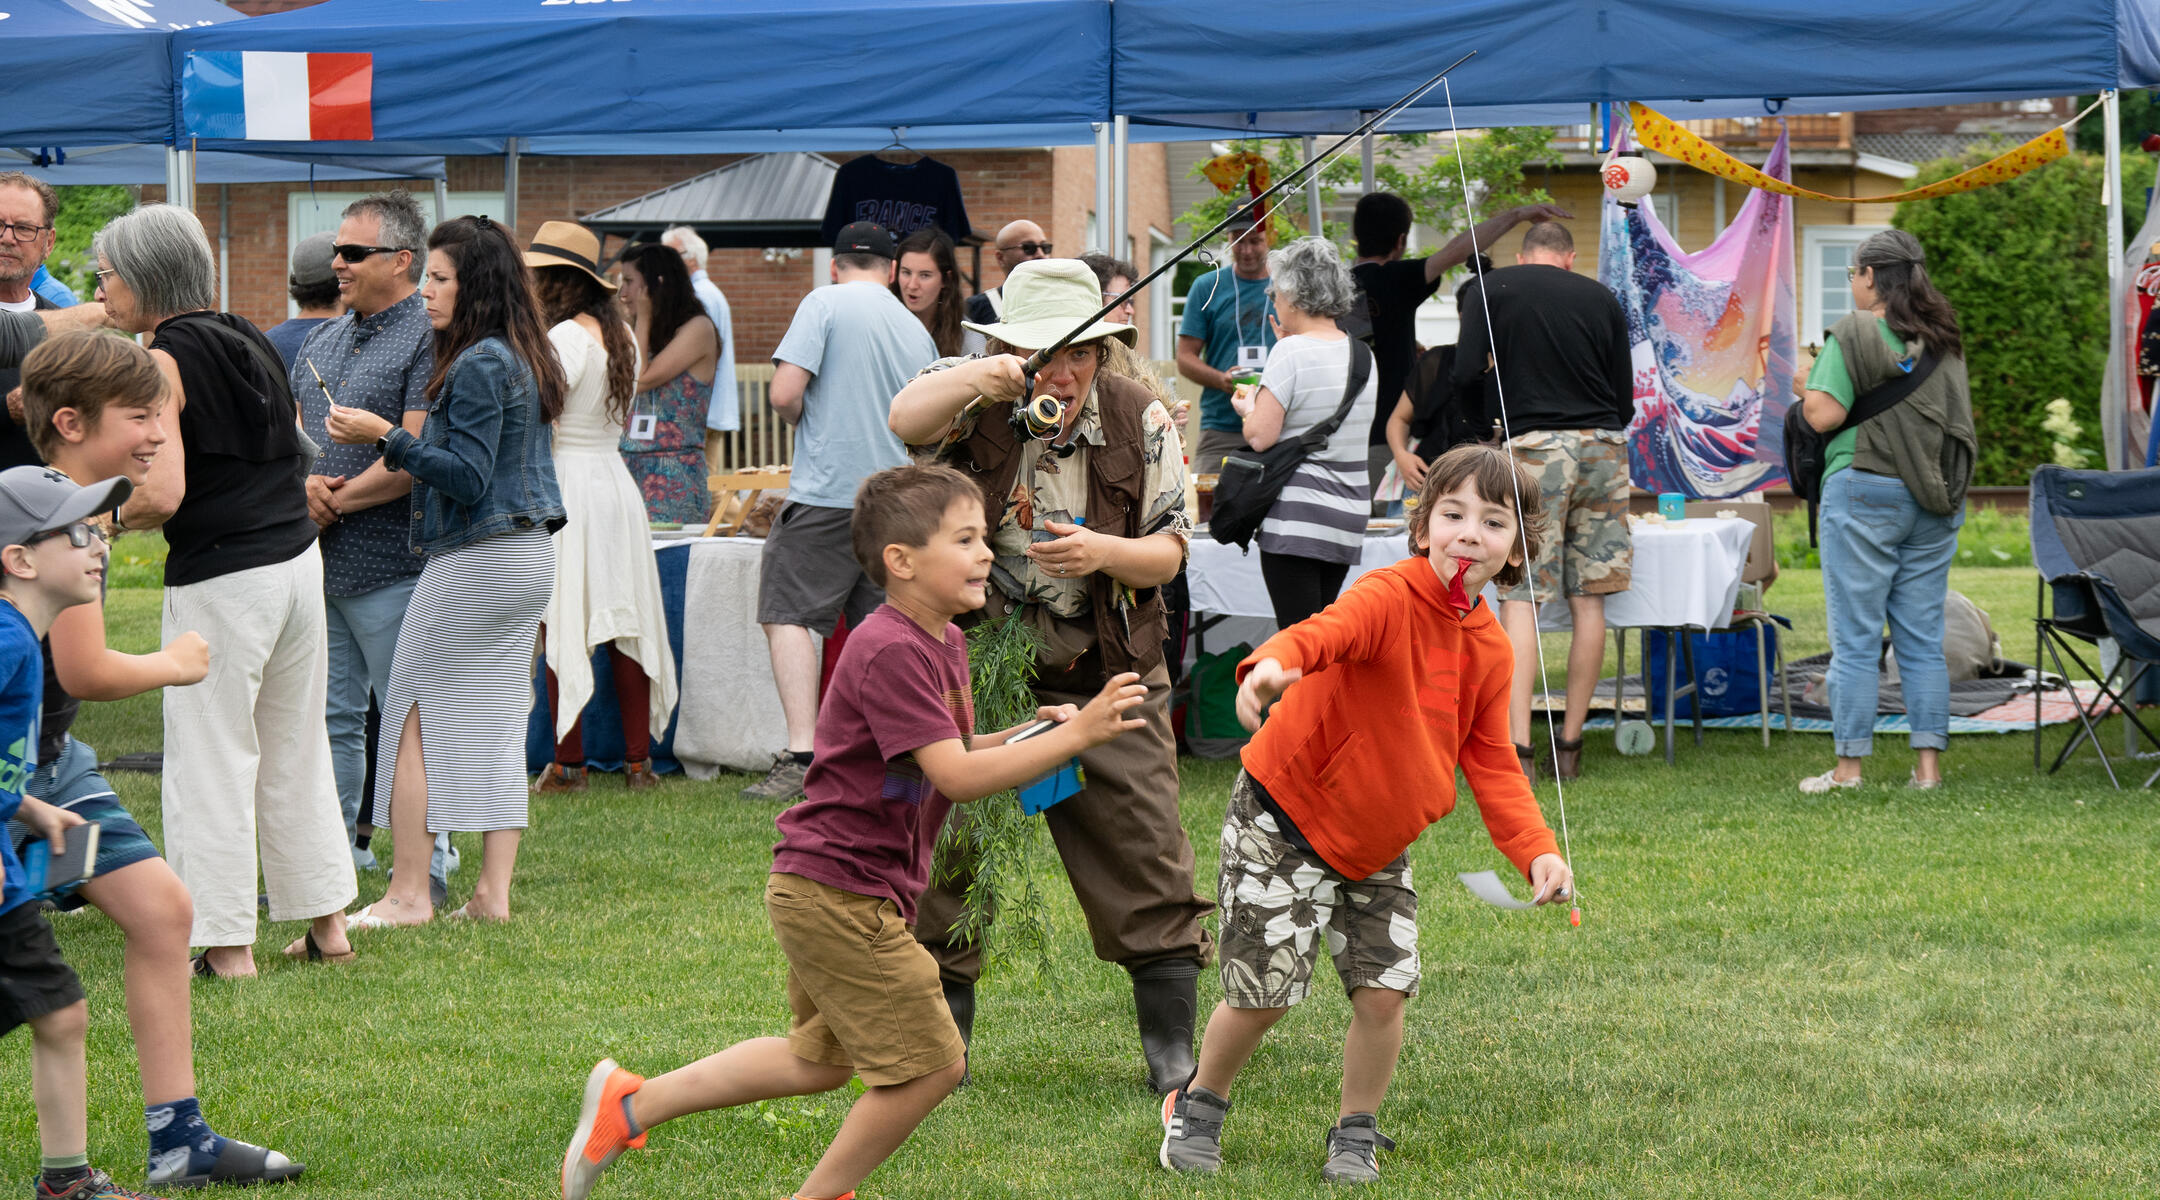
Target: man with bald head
1016 243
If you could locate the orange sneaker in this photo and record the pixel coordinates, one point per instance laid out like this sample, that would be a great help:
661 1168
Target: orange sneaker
603 1130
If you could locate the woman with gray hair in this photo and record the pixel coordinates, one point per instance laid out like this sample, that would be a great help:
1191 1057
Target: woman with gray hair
247 755
1893 497
1317 525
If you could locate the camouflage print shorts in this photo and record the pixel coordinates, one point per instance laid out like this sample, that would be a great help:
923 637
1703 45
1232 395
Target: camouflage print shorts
1278 902
1582 478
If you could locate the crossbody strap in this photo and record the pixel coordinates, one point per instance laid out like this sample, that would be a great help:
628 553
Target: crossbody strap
1889 395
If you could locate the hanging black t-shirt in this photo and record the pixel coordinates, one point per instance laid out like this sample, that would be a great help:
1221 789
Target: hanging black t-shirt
1393 291
902 197
15 447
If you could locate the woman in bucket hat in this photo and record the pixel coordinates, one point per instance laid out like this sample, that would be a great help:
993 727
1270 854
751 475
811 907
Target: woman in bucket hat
1089 523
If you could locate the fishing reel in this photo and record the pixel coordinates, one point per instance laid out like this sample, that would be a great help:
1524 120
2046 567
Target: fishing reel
1039 418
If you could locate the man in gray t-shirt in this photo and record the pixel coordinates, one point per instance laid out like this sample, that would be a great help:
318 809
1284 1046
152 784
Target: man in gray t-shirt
849 350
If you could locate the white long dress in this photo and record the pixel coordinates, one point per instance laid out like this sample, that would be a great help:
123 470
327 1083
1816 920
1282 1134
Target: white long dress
607 584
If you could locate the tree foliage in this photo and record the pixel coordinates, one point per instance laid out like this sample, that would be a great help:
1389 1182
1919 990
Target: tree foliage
2025 265
1495 161
83 211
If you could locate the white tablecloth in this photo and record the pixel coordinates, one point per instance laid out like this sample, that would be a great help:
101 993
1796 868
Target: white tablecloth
1225 581
1684 573
729 716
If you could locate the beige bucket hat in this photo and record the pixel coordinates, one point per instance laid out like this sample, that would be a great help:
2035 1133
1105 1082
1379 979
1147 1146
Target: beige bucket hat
1044 299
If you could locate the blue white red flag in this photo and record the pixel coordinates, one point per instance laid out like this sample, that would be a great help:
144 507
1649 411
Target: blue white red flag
278 96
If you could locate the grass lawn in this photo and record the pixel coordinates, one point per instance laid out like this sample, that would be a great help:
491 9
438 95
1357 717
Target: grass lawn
1872 993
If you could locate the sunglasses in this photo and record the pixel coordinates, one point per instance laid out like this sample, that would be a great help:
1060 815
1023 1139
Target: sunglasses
1031 249
78 534
353 252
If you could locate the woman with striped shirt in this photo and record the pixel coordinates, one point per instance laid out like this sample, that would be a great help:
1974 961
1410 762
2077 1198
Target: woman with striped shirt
1317 526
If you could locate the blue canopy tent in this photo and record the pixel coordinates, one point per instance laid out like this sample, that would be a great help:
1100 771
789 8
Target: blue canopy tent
682 66
91 74
146 164
1311 69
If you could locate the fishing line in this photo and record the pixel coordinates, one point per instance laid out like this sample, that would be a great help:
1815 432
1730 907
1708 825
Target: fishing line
1507 438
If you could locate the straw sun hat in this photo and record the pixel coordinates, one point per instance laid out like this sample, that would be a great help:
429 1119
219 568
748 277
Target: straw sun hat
1044 299
567 244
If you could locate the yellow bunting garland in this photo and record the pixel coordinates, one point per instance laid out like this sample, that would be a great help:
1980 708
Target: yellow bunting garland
1664 135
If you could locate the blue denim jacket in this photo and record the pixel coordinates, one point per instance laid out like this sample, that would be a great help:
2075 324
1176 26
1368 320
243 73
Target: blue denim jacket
483 464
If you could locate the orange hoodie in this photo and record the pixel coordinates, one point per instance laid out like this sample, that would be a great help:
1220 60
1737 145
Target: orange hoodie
1398 688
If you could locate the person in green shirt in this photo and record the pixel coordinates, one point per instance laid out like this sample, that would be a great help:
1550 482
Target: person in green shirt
1892 500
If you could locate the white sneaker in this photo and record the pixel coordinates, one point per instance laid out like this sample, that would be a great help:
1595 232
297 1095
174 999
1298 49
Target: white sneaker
1815 785
1923 785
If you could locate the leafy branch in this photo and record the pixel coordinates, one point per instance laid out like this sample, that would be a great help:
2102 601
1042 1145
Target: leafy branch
1496 161
991 849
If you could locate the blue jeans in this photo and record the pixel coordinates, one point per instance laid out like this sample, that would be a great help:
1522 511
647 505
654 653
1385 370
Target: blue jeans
1885 558
363 639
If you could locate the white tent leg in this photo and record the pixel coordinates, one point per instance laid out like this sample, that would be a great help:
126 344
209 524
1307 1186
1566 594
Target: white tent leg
1313 218
1101 238
1120 209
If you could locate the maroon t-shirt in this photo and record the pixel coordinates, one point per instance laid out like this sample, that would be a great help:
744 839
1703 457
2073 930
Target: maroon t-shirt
869 819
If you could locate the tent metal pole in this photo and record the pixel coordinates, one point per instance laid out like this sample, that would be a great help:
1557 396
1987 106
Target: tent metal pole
1365 155
510 186
442 199
1101 236
1313 219
1120 205
178 174
2111 112
224 247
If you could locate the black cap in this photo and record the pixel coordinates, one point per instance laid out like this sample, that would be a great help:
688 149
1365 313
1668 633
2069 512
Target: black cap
865 237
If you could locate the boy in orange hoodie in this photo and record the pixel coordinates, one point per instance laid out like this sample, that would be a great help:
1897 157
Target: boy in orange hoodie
1406 678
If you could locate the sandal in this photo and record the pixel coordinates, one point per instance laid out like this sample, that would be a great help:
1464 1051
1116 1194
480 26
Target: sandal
200 966
312 952
237 1163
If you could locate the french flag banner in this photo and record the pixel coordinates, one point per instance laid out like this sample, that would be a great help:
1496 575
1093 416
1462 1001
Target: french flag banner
278 96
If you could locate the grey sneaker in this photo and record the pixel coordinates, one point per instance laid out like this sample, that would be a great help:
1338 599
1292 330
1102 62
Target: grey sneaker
1351 1146
1192 1120
783 782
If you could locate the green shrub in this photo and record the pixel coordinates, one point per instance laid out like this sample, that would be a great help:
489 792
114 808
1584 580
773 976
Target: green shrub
1991 537
2025 265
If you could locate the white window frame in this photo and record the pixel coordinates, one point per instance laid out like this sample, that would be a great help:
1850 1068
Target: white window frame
1815 240
319 211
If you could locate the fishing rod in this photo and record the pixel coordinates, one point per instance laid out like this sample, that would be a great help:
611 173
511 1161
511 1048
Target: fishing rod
1044 424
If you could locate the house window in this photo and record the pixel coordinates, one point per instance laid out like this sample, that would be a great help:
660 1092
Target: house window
1825 294
311 212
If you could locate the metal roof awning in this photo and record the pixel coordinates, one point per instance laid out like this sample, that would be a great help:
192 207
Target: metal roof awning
764 200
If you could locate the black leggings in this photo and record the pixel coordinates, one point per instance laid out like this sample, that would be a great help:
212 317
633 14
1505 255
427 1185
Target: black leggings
1299 587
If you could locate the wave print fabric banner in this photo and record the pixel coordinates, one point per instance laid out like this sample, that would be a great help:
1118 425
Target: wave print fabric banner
1713 336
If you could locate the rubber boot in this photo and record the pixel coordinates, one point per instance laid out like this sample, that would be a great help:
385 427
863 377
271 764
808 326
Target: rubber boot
960 998
1166 999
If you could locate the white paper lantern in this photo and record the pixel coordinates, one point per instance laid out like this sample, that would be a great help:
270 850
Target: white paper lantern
1629 178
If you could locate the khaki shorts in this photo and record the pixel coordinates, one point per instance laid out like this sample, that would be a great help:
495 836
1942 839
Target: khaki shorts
864 992
1279 903
1582 478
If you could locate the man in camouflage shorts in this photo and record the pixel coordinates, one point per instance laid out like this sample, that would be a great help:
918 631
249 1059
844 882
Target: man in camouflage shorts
1559 343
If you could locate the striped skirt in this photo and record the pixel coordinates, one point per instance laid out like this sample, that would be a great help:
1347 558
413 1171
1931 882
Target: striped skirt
465 660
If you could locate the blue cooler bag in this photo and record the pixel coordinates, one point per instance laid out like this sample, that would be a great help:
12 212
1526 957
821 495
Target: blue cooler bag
1730 685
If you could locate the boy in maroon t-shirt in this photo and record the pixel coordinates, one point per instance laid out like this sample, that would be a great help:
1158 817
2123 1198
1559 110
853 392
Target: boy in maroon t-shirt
894 751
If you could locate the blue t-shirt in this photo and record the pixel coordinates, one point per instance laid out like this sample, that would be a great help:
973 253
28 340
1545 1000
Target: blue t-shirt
861 346
22 680
1225 318
288 336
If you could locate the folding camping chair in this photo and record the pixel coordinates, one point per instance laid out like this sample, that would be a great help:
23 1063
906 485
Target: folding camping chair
2096 543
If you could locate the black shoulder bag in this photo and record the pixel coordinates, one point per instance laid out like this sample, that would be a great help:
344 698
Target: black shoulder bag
1807 450
1251 480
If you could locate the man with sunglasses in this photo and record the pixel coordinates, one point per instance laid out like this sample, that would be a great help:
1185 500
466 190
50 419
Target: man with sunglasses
1016 243
376 356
